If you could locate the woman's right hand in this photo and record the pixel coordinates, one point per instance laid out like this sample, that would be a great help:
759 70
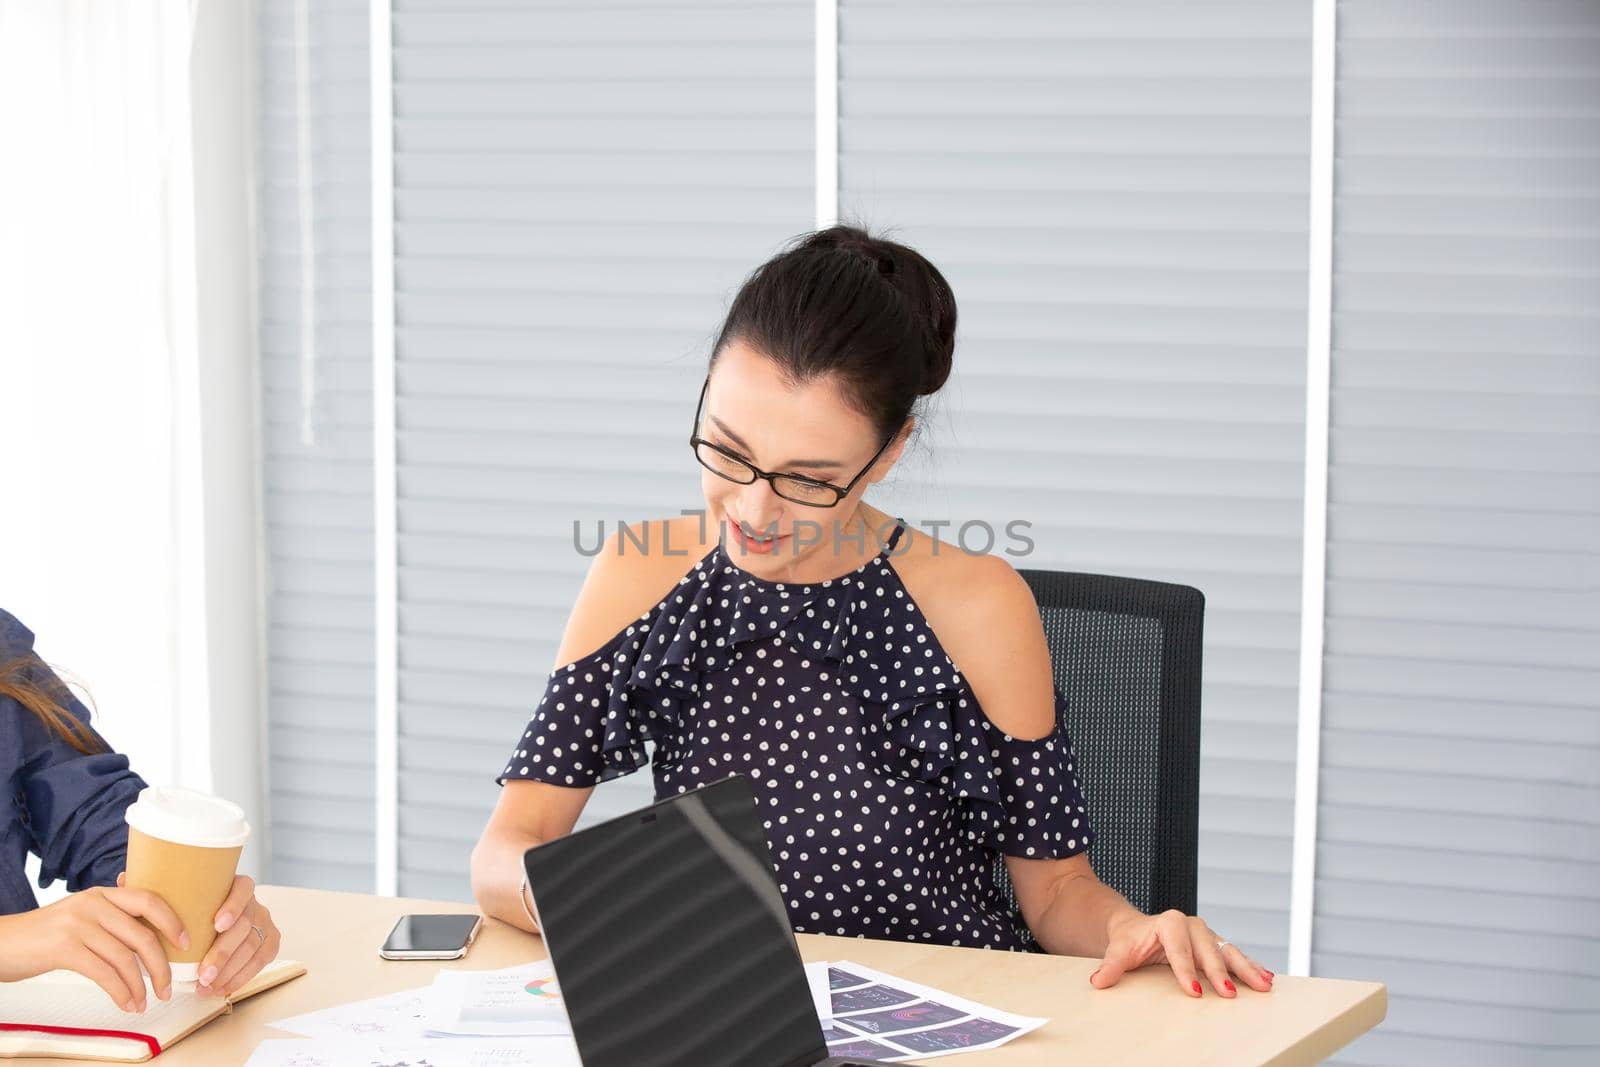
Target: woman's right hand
97 933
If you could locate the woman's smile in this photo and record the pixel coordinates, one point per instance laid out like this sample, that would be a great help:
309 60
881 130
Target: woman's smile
753 542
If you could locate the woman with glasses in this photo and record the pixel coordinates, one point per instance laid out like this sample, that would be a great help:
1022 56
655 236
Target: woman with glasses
890 697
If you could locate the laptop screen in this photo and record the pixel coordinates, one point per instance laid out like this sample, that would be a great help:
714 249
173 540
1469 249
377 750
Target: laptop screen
670 938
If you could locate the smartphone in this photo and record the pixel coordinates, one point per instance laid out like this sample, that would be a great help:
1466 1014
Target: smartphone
431 937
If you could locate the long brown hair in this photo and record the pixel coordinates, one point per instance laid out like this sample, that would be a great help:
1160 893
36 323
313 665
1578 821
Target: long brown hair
37 689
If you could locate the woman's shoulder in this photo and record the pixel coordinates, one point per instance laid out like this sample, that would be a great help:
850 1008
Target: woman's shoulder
37 709
636 566
948 582
984 615
15 639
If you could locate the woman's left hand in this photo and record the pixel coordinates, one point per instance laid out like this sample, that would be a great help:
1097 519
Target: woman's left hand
1184 942
239 952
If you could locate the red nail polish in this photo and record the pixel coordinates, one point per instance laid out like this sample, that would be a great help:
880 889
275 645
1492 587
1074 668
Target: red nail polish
1229 986
1269 974
1197 989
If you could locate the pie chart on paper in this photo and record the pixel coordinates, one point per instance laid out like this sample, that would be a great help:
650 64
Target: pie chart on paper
546 989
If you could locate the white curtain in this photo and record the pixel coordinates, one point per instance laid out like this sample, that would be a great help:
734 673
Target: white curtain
110 545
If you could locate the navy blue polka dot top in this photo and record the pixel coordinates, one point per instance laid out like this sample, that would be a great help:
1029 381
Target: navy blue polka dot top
884 789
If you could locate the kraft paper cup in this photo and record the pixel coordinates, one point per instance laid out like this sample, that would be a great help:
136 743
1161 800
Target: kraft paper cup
184 846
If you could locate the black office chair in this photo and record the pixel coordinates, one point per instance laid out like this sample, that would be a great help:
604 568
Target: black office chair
1125 653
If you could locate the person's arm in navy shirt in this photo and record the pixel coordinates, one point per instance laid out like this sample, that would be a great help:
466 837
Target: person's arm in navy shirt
68 804
66 797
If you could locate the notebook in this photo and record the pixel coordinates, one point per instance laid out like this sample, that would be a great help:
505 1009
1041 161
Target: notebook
64 1014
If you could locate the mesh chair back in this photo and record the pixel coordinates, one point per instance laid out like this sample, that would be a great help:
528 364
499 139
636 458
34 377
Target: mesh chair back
1125 654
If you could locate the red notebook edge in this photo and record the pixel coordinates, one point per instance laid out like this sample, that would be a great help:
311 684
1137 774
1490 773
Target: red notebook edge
78 1031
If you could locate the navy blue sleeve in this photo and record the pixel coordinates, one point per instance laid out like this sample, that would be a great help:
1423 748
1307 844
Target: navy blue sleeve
71 804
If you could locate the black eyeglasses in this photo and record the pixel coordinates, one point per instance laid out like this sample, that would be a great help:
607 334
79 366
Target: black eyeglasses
795 487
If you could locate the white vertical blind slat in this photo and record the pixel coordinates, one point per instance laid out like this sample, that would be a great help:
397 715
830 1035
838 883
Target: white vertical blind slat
317 455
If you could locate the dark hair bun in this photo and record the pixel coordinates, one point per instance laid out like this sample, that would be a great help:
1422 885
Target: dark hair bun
919 283
843 303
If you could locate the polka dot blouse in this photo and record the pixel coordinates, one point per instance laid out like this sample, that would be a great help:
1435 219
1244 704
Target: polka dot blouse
884 790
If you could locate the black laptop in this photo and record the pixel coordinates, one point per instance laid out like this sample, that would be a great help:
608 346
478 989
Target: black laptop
671 942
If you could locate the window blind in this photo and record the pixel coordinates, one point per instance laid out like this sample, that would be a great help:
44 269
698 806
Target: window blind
579 190
1459 816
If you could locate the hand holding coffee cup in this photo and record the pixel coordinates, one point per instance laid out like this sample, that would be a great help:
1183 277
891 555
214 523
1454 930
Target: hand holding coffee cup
247 940
184 846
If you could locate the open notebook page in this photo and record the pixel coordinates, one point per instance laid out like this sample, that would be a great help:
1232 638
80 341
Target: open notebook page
67 999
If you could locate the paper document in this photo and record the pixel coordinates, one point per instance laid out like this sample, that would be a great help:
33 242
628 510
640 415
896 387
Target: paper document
524 1000
877 1016
520 1001
517 1015
442 1052
392 1017
817 979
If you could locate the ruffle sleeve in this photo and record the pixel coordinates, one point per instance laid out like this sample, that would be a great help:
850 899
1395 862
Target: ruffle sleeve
597 714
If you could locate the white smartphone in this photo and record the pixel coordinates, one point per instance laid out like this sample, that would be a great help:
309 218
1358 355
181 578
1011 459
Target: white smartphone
431 937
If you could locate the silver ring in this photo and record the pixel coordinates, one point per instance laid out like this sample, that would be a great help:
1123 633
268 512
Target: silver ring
1223 944
260 935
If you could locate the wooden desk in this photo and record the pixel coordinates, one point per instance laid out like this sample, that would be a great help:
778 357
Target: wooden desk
1144 1019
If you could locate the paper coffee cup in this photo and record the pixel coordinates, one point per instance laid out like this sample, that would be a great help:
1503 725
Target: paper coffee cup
184 846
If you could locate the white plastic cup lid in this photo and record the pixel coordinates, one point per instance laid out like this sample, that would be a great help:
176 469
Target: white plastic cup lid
187 817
